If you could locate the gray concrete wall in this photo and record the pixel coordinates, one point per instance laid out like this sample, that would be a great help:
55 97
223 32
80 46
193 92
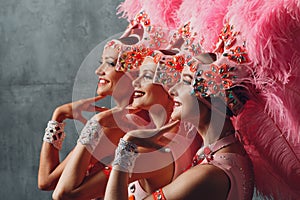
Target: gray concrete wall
42 45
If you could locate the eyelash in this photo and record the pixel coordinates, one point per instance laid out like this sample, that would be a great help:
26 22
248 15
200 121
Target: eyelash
147 76
187 82
109 63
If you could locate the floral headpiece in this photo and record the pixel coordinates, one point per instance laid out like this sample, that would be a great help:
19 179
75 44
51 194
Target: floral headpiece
228 40
168 68
190 45
115 44
130 57
154 36
218 78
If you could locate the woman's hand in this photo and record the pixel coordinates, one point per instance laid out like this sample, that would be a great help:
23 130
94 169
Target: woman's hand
152 138
116 118
74 110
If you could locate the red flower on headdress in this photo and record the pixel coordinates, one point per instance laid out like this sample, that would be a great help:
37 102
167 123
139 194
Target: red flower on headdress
176 62
132 59
141 18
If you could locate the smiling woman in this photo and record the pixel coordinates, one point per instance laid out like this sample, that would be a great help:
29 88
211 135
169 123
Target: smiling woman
145 92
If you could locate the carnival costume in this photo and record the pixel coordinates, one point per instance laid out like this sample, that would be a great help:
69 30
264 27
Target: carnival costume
153 37
256 75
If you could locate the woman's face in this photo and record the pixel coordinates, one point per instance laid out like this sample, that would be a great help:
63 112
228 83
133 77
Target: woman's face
147 93
186 106
108 76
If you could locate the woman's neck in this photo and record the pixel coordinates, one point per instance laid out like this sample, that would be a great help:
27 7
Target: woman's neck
121 102
159 115
215 130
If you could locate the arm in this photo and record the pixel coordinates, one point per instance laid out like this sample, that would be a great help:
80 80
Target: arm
73 183
126 158
199 182
205 181
50 167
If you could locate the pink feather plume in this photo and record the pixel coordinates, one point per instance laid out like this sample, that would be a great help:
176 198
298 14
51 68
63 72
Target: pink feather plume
276 159
161 12
129 8
207 19
272 32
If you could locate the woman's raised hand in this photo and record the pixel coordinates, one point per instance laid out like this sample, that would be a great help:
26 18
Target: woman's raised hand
116 118
74 110
152 138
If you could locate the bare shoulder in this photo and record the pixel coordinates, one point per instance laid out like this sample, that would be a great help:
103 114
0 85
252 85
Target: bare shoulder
205 181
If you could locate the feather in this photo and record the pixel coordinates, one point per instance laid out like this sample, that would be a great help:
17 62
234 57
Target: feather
163 12
129 9
204 23
274 37
276 158
273 45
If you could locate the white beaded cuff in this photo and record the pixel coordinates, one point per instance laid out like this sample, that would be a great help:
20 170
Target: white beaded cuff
54 134
125 155
90 134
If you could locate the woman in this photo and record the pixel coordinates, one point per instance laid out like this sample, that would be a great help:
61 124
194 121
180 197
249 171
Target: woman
109 84
169 163
221 169
50 166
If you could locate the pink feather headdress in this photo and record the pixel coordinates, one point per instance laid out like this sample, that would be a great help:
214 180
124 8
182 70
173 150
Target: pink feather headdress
269 123
206 18
161 12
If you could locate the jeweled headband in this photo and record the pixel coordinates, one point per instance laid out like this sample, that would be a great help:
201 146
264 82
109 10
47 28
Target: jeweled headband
168 68
154 36
190 45
130 57
228 71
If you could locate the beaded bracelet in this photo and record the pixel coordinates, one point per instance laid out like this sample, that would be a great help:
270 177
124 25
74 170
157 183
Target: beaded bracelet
54 134
90 134
125 155
159 195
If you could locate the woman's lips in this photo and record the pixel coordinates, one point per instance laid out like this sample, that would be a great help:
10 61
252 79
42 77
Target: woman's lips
177 104
138 94
102 81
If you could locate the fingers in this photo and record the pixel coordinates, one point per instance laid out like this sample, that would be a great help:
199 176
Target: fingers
93 108
100 109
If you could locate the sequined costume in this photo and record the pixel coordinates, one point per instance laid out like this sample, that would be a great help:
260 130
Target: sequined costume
238 168
183 147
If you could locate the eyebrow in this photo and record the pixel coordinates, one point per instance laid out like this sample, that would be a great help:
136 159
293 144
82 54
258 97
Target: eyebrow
109 57
187 75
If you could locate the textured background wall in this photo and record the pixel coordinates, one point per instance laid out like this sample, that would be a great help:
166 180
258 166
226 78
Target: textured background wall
42 45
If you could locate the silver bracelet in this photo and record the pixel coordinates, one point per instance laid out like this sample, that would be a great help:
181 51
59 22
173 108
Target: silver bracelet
90 134
125 155
54 134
